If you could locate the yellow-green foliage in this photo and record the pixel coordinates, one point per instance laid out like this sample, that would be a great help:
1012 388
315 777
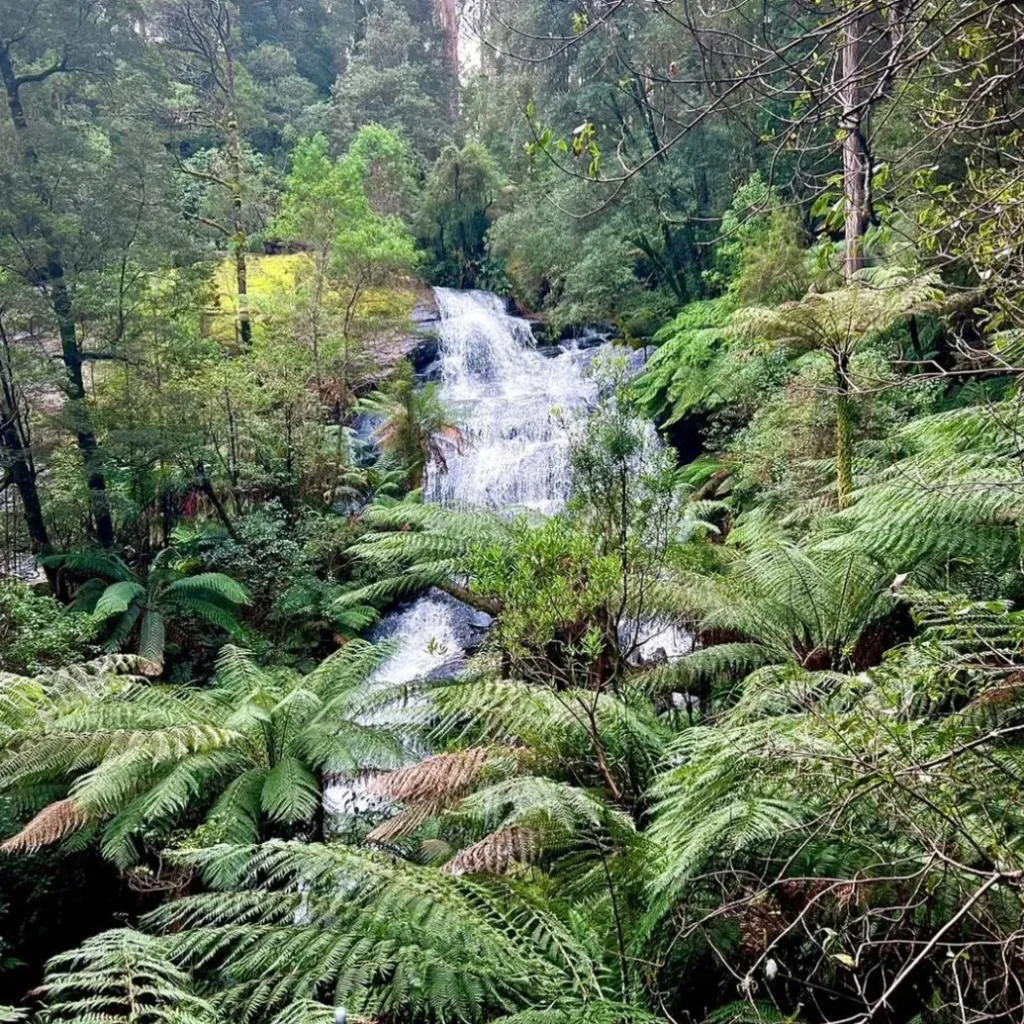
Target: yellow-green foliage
271 278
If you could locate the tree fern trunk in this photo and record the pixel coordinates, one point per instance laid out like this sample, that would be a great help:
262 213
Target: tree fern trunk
844 436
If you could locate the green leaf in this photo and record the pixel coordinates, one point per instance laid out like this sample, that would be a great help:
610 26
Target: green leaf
205 584
117 598
290 792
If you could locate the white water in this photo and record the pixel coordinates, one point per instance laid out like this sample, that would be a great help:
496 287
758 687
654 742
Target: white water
511 402
513 406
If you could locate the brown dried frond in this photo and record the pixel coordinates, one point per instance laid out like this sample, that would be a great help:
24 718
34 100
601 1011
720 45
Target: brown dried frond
51 824
401 825
496 853
444 776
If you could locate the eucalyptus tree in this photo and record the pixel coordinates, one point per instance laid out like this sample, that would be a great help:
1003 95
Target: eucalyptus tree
47 46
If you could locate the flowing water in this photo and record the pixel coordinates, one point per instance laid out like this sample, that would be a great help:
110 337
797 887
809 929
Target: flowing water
512 403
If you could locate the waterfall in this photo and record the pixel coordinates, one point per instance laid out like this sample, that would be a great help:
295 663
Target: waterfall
509 399
512 404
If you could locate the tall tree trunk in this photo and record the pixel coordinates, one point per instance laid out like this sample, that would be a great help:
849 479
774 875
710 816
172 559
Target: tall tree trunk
238 238
856 168
75 389
206 486
50 280
448 21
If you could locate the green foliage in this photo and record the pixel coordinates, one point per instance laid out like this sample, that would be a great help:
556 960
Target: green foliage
456 211
351 207
248 754
121 976
416 428
396 77
684 374
37 633
133 605
760 258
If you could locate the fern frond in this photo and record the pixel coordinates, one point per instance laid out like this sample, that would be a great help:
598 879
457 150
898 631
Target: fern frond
49 826
495 854
443 776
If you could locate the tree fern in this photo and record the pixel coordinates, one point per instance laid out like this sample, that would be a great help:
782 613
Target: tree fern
121 976
248 752
295 923
128 603
413 546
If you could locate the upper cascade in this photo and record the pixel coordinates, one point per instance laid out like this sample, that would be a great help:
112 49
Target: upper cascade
511 403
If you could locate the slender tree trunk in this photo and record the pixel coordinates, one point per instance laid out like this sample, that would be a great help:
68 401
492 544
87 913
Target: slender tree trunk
238 238
856 169
87 444
844 435
15 443
50 280
206 486
448 21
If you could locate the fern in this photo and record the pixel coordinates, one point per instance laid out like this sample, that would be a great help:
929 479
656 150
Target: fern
121 976
248 751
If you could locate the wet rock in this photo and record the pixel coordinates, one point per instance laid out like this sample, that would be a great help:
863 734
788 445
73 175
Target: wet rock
430 375
451 669
425 314
541 332
581 332
481 621
424 353
551 351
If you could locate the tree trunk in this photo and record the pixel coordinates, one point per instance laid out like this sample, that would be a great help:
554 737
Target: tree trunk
50 281
15 443
206 486
856 169
844 435
466 596
75 389
448 21
238 238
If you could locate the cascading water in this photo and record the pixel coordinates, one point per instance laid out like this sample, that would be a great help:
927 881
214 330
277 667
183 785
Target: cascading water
512 404
509 401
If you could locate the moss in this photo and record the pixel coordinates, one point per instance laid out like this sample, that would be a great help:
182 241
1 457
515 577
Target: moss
271 277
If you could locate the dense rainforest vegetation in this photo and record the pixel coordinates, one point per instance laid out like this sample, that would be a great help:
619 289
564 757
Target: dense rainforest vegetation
220 222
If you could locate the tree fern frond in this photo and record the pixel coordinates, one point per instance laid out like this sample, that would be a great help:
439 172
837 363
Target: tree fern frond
121 976
49 826
116 599
290 791
207 583
496 853
445 775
